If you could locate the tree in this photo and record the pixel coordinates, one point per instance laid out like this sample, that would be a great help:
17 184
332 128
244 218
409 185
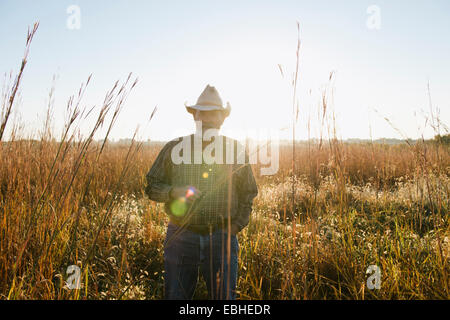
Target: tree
445 139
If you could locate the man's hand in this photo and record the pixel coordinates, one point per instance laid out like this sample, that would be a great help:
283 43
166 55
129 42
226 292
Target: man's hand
190 193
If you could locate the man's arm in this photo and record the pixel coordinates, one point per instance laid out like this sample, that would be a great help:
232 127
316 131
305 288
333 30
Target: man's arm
158 178
159 185
247 190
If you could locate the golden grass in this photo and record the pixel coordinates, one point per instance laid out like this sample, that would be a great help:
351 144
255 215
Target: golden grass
319 251
329 213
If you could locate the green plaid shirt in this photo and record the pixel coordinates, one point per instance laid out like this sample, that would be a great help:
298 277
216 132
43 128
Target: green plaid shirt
212 179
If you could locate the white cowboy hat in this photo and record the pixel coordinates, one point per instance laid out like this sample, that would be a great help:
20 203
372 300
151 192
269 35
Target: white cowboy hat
209 100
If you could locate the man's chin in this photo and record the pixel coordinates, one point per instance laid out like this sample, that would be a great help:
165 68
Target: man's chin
206 127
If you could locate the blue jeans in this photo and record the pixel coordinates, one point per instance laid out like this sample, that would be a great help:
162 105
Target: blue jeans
189 251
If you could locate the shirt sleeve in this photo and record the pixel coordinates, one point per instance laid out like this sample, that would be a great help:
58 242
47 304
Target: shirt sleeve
247 190
158 178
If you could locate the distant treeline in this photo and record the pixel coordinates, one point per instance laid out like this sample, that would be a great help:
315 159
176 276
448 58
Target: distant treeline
441 139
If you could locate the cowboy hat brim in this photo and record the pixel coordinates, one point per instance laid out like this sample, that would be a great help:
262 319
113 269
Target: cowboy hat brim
192 109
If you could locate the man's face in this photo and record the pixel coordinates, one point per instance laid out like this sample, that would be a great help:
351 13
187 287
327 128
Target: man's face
210 119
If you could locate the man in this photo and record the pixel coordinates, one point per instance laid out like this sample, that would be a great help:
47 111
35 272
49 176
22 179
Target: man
208 203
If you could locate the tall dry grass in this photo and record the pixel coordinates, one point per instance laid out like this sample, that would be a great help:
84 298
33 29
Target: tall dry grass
332 210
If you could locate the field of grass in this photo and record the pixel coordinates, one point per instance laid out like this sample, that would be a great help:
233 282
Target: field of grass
314 230
90 210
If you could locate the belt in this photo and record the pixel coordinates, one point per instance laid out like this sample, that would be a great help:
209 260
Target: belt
203 229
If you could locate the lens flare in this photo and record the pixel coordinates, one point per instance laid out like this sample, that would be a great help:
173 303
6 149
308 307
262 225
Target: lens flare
190 192
178 207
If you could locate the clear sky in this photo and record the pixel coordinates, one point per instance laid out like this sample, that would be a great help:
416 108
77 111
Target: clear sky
176 48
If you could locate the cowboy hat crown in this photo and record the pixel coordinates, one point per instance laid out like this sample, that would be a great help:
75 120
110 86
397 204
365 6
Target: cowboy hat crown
209 100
